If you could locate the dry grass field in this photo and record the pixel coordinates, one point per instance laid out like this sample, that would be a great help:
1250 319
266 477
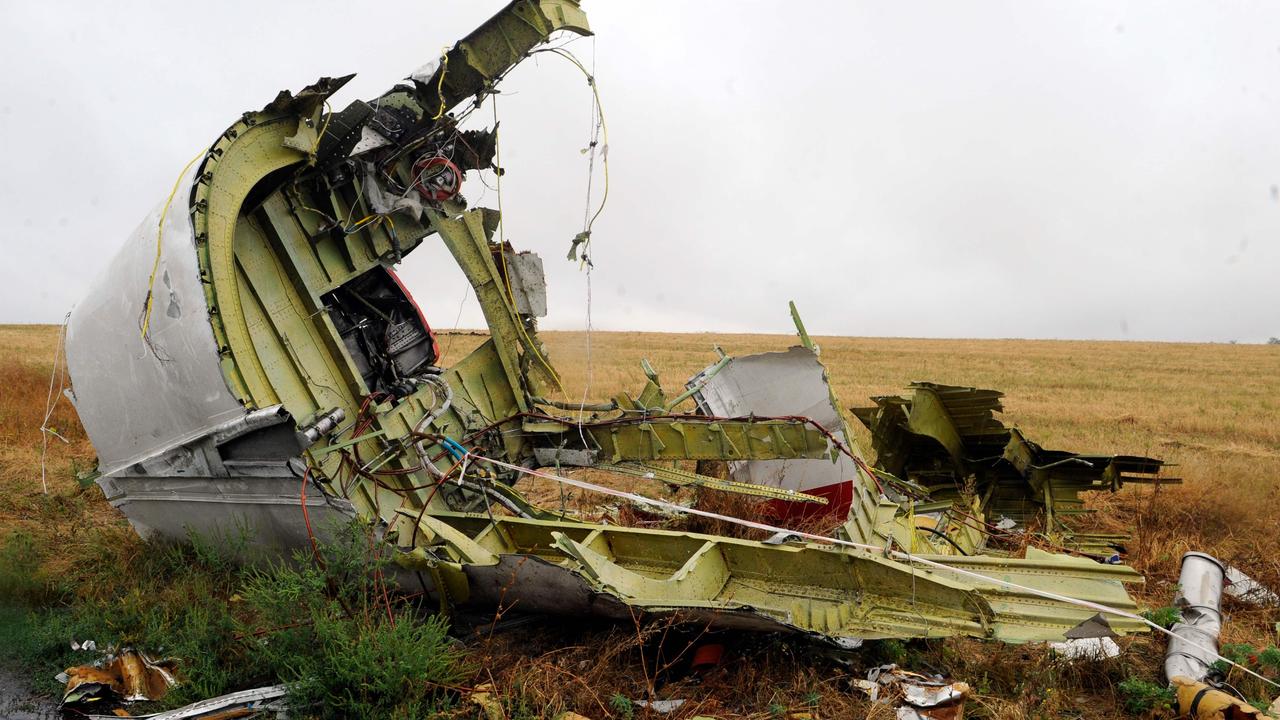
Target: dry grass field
1214 410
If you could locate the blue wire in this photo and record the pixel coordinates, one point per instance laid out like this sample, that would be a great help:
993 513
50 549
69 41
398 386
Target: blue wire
453 448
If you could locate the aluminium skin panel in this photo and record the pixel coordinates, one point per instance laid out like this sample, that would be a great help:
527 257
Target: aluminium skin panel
138 399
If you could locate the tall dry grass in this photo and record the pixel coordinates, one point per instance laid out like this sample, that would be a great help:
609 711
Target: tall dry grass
1213 410
68 517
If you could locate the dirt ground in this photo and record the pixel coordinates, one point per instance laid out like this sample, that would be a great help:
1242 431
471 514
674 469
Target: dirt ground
19 702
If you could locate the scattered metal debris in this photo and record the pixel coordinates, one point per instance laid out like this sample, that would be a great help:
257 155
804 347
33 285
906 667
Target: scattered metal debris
126 676
482 697
250 359
257 702
1096 648
662 707
947 439
919 697
1193 645
1247 590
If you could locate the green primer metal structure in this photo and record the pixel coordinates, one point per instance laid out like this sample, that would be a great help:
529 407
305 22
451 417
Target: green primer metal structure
296 214
947 440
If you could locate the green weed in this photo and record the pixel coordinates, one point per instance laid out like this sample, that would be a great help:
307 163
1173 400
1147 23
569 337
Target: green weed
1142 696
623 705
1165 617
330 629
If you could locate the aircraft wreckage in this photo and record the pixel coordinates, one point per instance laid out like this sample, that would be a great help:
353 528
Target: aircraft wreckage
250 358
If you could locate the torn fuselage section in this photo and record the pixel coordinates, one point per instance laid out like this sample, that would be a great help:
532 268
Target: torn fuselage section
288 380
849 595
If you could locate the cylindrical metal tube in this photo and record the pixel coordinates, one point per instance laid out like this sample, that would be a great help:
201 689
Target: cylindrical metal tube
1196 635
324 425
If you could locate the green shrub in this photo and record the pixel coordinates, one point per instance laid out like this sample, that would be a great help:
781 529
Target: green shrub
1165 617
1240 653
329 629
623 705
1141 696
1270 659
371 670
892 651
343 653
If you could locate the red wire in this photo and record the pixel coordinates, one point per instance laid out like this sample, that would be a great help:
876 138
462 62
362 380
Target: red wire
363 422
306 518
379 582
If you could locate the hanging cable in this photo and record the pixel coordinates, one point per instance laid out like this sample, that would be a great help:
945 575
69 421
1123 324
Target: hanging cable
59 370
596 124
324 127
584 238
456 322
444 70
306 517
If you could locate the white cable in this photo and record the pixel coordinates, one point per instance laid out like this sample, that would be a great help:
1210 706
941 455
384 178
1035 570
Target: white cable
51 401
896 554
586 227
466 292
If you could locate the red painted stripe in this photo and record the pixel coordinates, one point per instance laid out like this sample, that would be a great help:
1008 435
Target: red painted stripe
839 499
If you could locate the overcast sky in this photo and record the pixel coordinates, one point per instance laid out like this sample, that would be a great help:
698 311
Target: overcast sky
939 169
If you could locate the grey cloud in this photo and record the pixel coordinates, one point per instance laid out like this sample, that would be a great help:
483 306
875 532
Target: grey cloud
979 169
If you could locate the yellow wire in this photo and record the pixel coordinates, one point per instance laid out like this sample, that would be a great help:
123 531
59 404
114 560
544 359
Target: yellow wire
502 251
155 266
444 70
323 128
367 219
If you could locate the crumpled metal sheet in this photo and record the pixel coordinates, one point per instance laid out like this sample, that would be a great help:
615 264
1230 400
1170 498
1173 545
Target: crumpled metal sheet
244 703
1247 590
127 676
920 697
778 384
939 435
1094 648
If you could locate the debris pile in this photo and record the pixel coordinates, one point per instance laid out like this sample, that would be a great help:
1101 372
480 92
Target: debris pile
283 379
947 440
